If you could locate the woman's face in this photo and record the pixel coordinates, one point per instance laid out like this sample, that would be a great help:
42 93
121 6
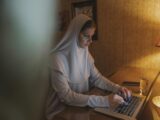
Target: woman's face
85 37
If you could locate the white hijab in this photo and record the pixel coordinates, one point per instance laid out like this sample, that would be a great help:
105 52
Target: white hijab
75 56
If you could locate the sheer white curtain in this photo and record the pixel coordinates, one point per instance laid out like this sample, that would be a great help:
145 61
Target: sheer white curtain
27 30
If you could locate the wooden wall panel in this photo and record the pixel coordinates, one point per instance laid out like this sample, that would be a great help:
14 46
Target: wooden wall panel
127 32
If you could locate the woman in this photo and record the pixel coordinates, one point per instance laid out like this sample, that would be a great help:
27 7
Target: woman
73 71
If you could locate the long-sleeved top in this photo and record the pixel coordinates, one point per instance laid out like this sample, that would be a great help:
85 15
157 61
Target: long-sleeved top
71 91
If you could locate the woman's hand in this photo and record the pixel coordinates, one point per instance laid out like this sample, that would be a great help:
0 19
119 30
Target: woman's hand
116 99
125 93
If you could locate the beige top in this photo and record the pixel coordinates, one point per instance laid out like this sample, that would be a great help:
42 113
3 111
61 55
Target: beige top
73 72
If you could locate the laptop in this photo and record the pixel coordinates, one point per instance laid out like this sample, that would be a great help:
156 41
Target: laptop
125 112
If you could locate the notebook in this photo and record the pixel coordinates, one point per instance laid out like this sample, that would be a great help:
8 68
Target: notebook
125 112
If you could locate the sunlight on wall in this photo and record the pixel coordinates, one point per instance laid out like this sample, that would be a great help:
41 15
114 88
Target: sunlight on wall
151 11
148 14
143 61
146 10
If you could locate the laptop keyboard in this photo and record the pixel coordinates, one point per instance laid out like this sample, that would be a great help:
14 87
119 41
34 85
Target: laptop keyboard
130 108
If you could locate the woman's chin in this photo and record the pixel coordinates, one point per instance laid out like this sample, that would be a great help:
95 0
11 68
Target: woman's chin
84 46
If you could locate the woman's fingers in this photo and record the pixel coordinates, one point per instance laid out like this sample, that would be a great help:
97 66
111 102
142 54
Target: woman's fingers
115 98
126 94
118 99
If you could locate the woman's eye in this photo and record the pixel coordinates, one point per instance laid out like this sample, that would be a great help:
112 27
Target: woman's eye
85 36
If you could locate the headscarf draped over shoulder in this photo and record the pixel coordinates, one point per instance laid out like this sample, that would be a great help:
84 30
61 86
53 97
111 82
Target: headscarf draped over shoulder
68 56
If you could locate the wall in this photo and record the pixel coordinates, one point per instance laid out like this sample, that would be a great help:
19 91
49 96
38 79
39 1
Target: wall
127 33
63 19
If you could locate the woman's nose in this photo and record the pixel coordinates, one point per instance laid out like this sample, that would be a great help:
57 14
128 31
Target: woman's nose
90 40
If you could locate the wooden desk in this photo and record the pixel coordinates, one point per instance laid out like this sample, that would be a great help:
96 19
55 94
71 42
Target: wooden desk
150 111
126 73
